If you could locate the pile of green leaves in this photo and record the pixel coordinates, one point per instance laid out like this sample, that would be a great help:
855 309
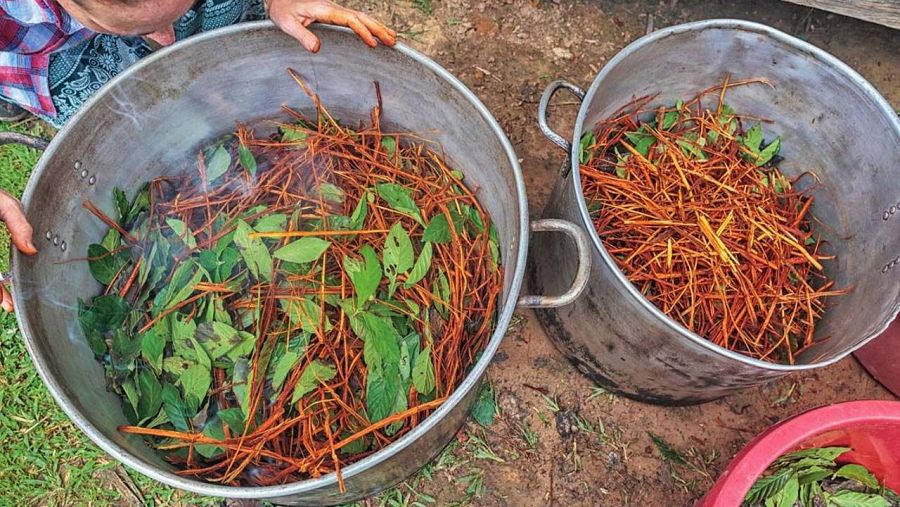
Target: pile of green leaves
813 478
201 309
679 126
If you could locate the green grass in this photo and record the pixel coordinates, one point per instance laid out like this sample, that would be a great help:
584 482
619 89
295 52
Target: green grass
425 6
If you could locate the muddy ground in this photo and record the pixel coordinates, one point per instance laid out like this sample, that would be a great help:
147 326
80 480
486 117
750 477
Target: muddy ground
558 441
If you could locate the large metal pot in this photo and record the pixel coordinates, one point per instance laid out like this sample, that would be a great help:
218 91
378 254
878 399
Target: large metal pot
150 119
834 124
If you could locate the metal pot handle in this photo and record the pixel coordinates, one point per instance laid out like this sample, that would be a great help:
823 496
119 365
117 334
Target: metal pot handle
548 94
38 143
584 264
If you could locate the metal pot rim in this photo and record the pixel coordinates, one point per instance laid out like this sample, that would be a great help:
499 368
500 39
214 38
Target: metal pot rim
469 382
865 87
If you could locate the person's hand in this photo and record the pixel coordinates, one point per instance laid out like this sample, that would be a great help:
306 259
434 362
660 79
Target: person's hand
20 231
294 16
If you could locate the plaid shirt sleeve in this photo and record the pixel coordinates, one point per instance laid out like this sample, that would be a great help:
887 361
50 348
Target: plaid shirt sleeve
29 31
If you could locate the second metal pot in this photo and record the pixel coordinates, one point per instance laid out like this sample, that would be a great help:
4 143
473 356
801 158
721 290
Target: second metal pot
834 124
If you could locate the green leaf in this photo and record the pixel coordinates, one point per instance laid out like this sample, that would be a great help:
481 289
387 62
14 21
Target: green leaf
421 267
214 430
805 497
112 240
585 147
122 204
790 493
181 230
241 379
726 113
358 218
294 136
390 146
767 487
398 256
669 120
494 247
234 418
401 403
475 218
103 264
182 332
641 141
254 252
859 474
753 138
124 351
248 161
303 250
409 350
105 313
219 339
153 343
181 286
131 394
485 408
217 164
208 260
400 199
813 474
691 148
315 373
423 372
330 192
365 275
151 394
139 204
305 312
768 152
438 230
275 222
819 454
412 305
440 288
175 408
283 367
177 365
228 260
357 446
201 355
848 498
195 382
381 352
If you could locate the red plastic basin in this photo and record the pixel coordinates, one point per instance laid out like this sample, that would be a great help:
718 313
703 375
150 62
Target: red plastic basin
870 428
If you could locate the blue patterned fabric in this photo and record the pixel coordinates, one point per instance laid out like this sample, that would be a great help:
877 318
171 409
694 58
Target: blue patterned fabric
78 72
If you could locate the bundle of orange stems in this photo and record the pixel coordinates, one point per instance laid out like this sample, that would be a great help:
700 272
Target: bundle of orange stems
693 209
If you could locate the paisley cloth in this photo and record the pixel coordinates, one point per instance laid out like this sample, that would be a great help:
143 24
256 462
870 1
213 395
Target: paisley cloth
78 72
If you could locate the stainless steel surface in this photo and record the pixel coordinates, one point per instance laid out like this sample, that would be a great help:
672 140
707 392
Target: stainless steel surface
833 123
149 120
582 274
